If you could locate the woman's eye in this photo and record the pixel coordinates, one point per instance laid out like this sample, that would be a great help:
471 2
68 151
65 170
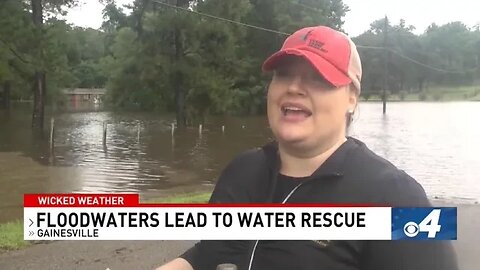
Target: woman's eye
318 78
282 73
319 81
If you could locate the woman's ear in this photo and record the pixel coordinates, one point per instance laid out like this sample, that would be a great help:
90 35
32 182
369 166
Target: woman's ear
352 98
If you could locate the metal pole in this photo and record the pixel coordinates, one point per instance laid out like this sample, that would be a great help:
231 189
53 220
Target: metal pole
52 134
104 133
385 85
138 132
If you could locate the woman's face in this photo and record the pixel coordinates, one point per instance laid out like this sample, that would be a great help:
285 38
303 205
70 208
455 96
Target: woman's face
304 111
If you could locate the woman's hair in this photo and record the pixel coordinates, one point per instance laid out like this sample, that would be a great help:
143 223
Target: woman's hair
349 119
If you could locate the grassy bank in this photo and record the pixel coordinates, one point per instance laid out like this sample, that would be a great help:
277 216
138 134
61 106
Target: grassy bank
184 198
11 234
464 93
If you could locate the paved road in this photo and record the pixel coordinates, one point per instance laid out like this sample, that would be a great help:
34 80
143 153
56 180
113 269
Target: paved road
468 243
93 255
146 255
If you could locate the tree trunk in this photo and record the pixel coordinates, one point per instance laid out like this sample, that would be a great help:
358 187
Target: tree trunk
39 85
139 18
402 82
39 93
420 84
180 94
7 85
180 105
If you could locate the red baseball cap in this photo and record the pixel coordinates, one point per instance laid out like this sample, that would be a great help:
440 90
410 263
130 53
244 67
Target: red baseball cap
332 53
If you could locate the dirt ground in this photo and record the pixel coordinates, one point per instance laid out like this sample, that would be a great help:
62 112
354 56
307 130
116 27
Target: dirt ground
146 255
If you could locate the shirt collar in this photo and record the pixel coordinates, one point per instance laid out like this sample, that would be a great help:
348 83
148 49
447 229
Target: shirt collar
333 166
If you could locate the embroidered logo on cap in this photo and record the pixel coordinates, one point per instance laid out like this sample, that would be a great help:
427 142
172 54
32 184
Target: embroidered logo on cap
305 37
317 45
314 43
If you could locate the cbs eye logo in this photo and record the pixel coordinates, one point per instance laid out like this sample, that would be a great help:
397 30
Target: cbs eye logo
411 229
429 224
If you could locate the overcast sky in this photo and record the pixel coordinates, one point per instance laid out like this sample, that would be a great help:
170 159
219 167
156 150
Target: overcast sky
419 13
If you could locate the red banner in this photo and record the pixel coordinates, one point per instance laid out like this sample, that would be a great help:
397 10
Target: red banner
133 200
80 200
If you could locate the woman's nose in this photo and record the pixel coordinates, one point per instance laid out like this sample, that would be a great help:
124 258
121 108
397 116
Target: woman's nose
295 85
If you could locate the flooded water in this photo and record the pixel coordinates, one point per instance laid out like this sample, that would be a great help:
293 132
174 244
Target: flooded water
437 143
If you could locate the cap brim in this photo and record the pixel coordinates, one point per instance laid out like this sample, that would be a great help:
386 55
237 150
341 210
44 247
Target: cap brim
326 69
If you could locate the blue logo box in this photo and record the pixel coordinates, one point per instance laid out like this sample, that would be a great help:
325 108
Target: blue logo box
424 223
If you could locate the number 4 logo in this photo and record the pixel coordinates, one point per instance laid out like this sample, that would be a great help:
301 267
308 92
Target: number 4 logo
430 223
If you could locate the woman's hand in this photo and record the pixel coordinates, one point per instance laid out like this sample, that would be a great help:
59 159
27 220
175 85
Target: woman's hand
176 264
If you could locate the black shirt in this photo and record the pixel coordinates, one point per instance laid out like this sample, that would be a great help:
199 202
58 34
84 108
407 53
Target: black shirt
285 185
352 175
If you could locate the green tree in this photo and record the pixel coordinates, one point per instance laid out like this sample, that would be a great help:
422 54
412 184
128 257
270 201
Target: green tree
440 56
197 65
123 79
14 41
40 8
85 49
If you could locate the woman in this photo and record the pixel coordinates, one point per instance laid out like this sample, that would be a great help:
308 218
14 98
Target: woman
311 98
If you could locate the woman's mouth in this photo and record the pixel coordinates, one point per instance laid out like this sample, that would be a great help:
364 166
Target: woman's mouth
295 112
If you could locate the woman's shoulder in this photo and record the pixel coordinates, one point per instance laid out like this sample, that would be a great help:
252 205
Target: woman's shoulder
265 156
393 185
369 159
245 178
